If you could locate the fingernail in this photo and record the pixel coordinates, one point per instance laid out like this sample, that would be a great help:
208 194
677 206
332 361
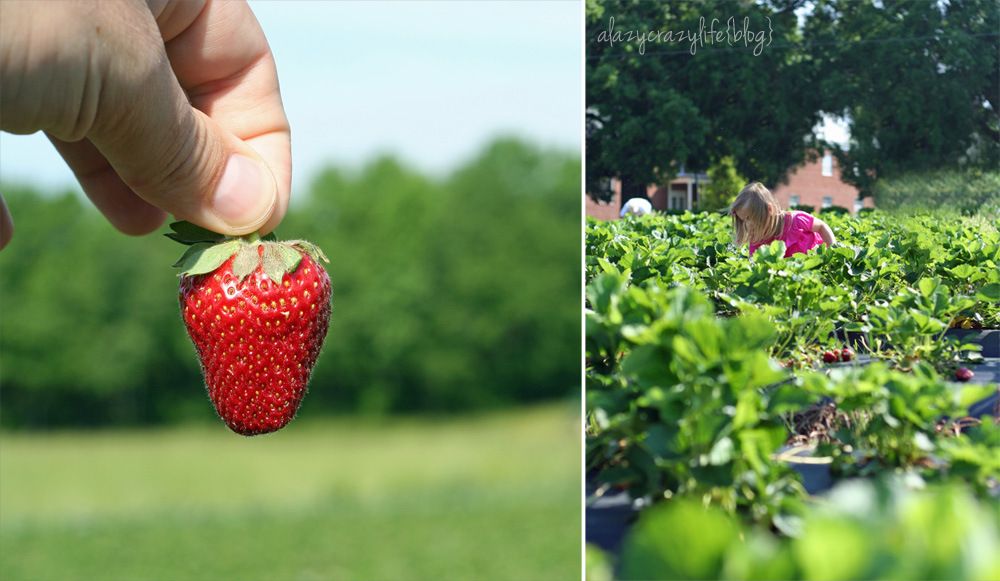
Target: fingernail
245 194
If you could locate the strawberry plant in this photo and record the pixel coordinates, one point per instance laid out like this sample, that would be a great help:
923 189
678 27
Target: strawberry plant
257 311
808 296
894 415
915 322
686 399
888 529
684 403
972 456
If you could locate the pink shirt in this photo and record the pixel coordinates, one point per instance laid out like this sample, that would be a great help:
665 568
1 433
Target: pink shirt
797 234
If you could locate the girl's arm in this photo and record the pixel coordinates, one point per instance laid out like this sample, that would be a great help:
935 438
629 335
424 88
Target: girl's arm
824 232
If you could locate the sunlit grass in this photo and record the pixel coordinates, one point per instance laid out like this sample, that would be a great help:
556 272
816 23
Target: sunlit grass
494 496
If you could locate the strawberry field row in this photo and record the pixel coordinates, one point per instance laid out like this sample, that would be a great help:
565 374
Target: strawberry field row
702 364
911 279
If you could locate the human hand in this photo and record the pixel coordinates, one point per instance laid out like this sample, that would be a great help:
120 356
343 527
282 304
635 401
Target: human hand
157 106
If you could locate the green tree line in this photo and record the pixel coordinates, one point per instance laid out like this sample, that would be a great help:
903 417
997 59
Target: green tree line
917 82
451 293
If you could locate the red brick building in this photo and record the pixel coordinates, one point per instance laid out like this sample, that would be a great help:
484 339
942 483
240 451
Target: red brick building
815 183
818 184
680 194
608 210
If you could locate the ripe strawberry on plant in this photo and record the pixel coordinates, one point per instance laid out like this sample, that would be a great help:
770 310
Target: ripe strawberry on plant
830 357
257 311
846 354
963 374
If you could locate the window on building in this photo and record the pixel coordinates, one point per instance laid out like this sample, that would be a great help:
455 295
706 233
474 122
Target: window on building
794 200
827 165
677 202
827 201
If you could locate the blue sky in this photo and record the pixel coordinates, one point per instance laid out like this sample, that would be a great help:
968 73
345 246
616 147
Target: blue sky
430 82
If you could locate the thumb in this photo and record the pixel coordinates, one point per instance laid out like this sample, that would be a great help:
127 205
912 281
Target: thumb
174 156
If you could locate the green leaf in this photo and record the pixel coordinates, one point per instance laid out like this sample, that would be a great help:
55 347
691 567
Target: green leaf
289 256
658 547
967 395
195 249
990 292
188 233
274 266
598 564
309 248
203 258
272 237
927 286
747 409
834 548
757 445
247 260
661 440
685 349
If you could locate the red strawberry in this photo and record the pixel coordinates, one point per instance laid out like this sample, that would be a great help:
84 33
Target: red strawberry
257 312
963 374
846 354
830 357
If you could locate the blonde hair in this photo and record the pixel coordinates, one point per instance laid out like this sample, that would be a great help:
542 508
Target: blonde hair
765 218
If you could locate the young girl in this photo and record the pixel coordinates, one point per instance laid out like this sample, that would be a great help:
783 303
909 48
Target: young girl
758 220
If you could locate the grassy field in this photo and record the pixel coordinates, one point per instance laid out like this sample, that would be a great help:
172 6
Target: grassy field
486 497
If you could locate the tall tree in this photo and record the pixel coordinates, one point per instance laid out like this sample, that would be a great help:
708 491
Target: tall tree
654 109
919 83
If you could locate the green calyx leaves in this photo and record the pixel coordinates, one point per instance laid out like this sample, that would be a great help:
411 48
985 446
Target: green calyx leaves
309 248
208 251
278 260
204 257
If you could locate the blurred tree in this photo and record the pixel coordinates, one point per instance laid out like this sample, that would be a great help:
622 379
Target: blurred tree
919 83
449 294
88 332
967 191
724 183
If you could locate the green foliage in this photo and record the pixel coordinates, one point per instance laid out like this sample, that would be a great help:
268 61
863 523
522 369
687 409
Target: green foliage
597 564
916 319
723 186
449 294
895 424
919 89
649 114
683 403
863 531
91 331
965 192
914 81
867 283
839 210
